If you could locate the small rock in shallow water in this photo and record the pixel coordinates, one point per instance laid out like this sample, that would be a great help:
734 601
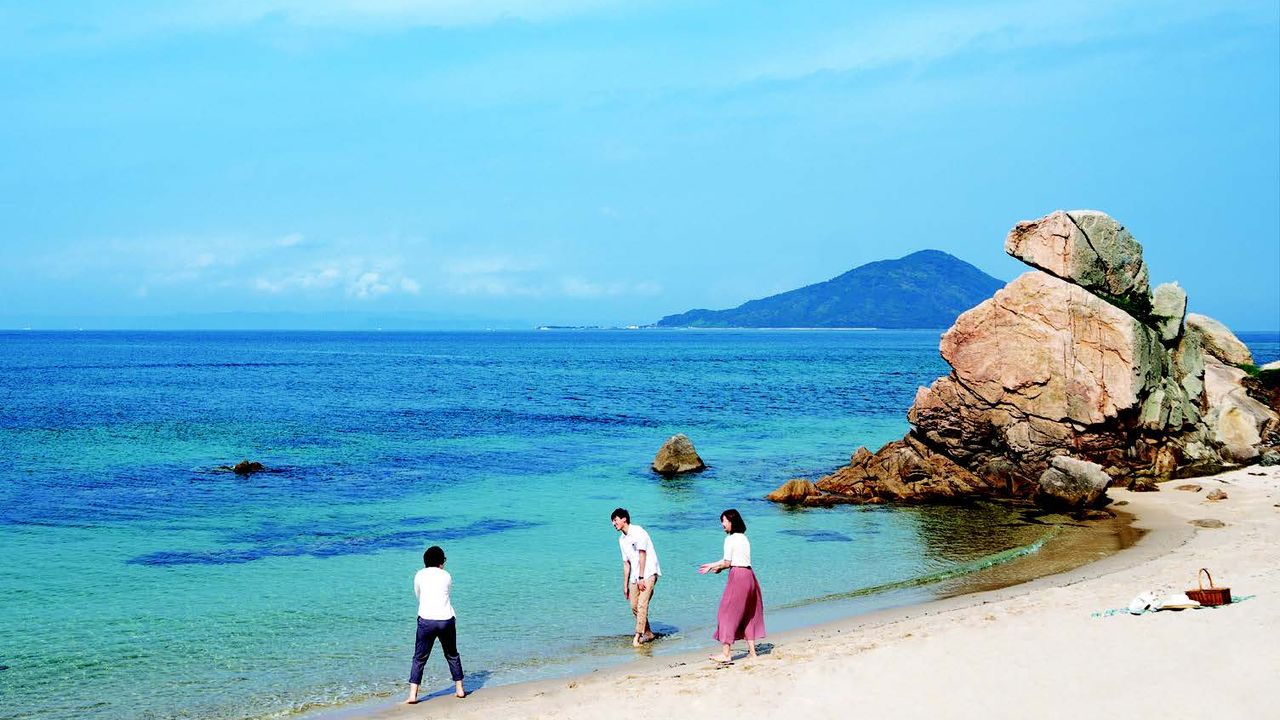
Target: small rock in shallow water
1216 495
247 467
677 455
1189 486
1208 523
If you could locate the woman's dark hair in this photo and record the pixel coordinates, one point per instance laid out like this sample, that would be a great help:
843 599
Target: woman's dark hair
621 513
736 524
433 557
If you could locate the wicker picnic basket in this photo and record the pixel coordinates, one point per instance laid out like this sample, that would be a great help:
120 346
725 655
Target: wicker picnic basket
1211 595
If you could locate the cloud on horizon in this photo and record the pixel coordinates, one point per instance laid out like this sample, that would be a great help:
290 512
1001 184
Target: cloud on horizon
290 265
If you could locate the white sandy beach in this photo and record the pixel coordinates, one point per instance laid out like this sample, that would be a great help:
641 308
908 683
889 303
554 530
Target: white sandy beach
1033 650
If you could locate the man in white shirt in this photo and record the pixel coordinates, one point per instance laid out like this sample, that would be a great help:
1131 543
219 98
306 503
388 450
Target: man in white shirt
640 572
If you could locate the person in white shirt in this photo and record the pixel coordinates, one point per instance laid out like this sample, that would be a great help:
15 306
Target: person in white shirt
435 620
640 572
741 613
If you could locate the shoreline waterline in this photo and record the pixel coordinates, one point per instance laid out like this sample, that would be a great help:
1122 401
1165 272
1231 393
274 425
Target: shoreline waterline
1084 551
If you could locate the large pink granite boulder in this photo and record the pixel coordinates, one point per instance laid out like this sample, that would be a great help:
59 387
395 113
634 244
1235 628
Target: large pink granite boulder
1087 248
1050 349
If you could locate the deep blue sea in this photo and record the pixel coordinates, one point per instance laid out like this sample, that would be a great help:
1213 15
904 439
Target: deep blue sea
140 580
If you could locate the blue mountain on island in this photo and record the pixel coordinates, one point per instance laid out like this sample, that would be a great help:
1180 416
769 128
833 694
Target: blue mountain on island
926 289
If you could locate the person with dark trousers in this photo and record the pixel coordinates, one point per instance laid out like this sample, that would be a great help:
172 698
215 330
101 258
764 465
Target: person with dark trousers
435 620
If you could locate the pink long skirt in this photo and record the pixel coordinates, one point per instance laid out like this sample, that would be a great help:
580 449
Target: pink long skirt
741 614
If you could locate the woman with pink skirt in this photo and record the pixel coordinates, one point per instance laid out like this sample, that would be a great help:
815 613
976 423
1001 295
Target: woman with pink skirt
741 614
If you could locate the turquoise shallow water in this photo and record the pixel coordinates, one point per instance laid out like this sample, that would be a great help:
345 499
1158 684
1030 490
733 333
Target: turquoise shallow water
140 581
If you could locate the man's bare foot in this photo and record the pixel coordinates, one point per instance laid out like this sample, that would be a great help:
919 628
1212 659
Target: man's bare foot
458 690
647 637
411 701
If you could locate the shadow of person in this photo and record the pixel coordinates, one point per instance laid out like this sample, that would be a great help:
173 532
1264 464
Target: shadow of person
762 648
471 683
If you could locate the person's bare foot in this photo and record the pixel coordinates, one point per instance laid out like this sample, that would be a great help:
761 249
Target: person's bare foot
458 690
411 701
647 637
723 659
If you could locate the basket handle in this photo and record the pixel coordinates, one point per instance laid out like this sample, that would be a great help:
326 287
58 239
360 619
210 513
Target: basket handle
1200 580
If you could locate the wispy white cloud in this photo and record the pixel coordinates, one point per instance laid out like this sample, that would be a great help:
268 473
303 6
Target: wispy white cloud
358 278
110 23
577 287
509 276
490 286
491 265
920 36
275 266
400 13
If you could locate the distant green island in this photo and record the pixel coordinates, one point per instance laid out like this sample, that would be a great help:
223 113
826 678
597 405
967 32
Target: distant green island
926 289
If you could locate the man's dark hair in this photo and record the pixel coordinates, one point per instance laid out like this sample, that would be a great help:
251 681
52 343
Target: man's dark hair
621 513
433 557
736 523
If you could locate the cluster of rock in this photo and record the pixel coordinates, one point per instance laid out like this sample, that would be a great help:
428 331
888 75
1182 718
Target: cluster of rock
677 455
1072 376
244 467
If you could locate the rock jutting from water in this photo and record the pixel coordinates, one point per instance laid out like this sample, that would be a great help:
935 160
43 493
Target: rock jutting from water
247 467
676 456
1071 375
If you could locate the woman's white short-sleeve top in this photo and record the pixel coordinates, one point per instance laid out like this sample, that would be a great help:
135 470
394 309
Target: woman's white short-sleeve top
737 550
432 586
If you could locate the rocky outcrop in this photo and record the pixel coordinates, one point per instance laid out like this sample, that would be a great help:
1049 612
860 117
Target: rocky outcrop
1078 359
1089 249
794 492
1168 309
1218 341
1237 422
247 467
1073 484
905 470
1045 348
676 456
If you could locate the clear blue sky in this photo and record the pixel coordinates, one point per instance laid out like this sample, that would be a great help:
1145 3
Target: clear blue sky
587 161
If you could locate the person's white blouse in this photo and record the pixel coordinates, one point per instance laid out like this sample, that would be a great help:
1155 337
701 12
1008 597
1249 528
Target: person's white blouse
432 586
737 550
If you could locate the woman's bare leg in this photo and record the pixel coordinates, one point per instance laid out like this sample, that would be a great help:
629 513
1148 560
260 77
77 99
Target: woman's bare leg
726 655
